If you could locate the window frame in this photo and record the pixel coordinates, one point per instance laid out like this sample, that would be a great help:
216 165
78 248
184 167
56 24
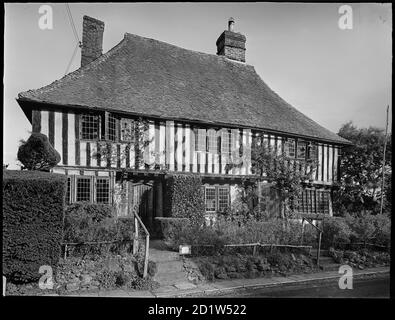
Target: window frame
112 136
216 199
93 188
96 189
77 178
212 141
201 140
299 143
82 121
316 201
69 198
288 141
219 188
225 145
130 122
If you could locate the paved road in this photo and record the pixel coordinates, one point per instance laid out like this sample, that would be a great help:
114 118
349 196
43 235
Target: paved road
378 287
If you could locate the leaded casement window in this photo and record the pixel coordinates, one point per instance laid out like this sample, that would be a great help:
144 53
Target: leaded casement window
313 201
223 198
217 198
90 127
112 127
83 192
102 190
312 151
89 188
68 191
210 199
225 142
200 143
301 150
290 148
212 141
127 130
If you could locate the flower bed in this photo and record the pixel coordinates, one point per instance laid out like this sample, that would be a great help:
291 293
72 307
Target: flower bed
247 266
94 273
363 258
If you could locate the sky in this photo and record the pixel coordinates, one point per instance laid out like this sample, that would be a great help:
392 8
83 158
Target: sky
330 74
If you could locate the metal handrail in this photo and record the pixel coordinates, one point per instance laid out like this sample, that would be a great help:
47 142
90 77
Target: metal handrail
137 220
319 238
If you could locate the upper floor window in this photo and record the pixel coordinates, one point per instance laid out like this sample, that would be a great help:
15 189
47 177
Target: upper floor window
90 127
225 142
201 140
127 130
290 148
301 150
112 127
212 141
312 151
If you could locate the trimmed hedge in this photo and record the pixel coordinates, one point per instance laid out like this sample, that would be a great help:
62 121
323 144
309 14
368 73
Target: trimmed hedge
184 197
33 208
37 153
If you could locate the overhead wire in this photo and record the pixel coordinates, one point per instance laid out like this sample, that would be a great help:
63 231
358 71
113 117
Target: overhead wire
79 44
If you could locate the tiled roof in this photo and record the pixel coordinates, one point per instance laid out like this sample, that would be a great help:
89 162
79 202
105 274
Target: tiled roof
147 77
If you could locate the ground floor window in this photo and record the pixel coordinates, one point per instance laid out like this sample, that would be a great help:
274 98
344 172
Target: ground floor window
83 189
314 201
102 190
217 198
88 188
68 192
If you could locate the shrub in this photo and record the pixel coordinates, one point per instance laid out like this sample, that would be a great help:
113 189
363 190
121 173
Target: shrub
85 222
91 222
107 279
33 207
335 230
138 283
370 228
184 197
37 153
170 228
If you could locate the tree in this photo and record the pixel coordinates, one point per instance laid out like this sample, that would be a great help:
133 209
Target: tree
37 153
361 170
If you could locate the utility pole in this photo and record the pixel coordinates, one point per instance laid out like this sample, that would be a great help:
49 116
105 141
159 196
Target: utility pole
383 169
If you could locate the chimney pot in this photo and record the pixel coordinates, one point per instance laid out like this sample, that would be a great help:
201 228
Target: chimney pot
231 24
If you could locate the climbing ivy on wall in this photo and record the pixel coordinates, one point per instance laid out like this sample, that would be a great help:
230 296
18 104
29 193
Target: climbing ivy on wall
184 197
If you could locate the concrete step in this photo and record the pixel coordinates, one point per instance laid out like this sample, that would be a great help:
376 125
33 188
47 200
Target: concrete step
166 279
170 267
163 256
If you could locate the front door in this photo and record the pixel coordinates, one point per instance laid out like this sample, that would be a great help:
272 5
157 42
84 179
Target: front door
141 199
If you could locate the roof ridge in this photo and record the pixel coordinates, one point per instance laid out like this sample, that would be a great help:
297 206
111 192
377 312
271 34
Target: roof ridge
129 35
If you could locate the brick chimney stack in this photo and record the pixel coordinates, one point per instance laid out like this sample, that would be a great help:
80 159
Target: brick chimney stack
92 40
231 44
